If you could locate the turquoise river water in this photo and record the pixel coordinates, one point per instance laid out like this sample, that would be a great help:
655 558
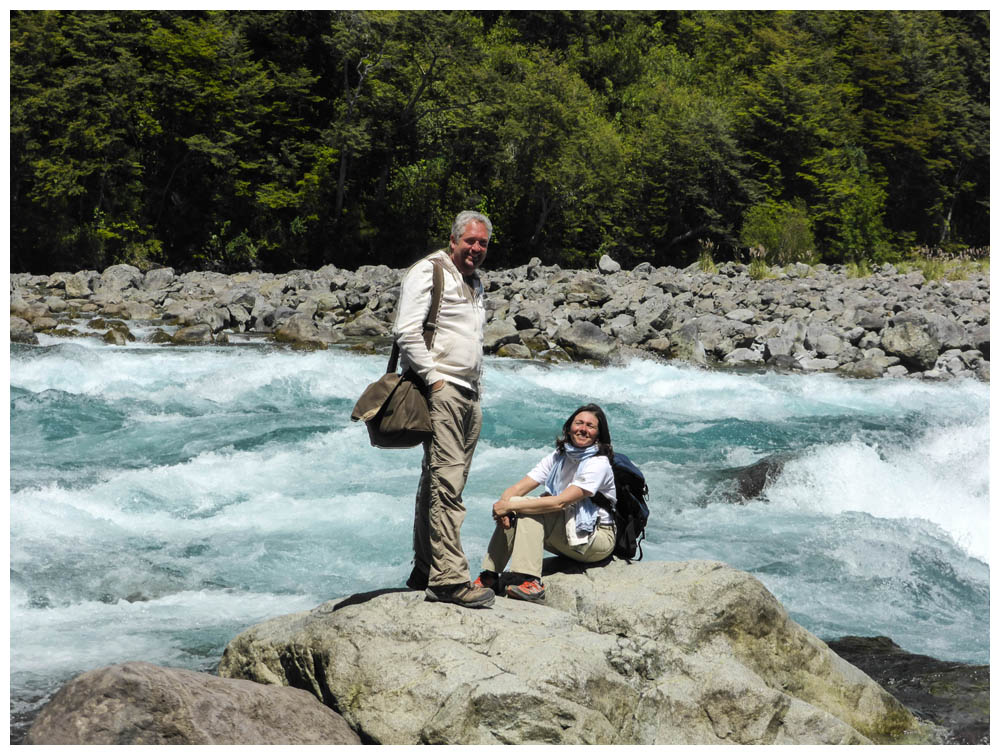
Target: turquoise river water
162 499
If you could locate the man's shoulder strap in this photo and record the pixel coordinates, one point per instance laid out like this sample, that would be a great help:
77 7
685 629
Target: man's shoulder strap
430 323
437 289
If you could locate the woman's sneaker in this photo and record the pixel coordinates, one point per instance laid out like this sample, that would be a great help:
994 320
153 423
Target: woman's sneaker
463 594
531 590
487 579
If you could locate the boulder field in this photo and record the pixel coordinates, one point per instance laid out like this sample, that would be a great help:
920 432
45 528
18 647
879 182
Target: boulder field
803 318
645 653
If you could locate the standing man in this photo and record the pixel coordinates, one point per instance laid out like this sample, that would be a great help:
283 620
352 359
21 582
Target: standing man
451 367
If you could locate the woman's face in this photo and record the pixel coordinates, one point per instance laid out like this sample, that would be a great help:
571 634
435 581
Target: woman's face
583 429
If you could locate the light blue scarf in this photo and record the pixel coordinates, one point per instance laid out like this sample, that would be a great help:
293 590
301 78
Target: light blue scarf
578 454
582 516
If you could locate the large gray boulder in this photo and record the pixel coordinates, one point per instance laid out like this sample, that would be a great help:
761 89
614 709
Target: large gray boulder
158 278
584 340
643 653
21 331
686 346
193 334
141 704
120 277
78 284
364 325
607 265
499 333
302 331
916 348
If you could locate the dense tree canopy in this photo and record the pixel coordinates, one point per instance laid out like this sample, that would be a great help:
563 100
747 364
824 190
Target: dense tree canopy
283 139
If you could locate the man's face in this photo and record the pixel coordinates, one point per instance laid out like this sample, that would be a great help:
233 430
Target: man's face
469 251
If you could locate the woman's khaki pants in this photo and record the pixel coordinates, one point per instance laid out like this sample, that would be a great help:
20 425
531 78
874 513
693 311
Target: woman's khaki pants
522 544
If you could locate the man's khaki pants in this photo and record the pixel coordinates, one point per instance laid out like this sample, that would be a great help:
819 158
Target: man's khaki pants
456 418
522 544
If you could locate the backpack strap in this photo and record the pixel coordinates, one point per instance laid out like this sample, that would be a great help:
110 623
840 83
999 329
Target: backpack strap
430 322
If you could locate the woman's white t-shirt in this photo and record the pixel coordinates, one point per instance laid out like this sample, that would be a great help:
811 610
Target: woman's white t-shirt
592 475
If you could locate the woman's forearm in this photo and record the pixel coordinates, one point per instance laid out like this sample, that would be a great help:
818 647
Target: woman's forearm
522 487
541 505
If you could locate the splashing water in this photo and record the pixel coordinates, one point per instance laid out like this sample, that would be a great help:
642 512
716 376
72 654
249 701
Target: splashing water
164 499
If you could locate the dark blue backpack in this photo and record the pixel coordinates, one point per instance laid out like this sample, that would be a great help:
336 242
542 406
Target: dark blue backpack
631 512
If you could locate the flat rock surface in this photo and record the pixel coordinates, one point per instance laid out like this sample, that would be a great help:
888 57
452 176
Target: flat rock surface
643 653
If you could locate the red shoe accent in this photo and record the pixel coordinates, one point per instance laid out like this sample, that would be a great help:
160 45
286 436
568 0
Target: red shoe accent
531 590
486 579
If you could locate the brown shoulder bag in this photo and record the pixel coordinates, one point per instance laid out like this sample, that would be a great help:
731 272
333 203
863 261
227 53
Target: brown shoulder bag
394 407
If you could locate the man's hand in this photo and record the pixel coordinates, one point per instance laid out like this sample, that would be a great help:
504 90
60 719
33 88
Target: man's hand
438 385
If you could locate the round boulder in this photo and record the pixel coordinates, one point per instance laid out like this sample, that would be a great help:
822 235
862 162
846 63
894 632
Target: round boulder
138 703
916 348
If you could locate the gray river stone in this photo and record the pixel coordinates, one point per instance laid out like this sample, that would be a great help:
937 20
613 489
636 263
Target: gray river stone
138 703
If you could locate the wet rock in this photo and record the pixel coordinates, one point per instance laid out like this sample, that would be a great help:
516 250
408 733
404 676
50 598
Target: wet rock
21 331
193 334
301 331
742 484
141 704
514 351
956 696
159 336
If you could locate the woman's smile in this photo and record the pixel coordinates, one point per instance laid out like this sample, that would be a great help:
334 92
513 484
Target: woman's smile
583 431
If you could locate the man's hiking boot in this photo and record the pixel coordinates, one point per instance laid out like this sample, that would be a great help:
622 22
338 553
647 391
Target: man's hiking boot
530 589
464 594
487 579
417 579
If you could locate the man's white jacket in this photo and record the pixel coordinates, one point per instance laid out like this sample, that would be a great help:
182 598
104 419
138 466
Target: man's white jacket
456 354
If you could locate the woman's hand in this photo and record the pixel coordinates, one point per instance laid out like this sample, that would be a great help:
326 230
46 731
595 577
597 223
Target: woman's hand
501 513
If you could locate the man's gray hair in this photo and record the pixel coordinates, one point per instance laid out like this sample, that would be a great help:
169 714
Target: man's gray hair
469 216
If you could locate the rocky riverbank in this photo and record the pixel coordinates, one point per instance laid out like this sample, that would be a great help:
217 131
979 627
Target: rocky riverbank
810 319
647 653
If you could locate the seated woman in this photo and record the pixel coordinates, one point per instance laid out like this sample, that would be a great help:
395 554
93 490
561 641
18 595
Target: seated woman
563 520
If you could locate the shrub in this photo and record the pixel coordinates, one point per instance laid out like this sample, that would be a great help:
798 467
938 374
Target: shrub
858 269
783 229
706 262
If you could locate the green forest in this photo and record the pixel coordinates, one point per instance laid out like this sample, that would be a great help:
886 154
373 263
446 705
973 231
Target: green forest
277 140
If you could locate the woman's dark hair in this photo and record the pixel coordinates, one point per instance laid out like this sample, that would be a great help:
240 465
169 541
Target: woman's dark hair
604 447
